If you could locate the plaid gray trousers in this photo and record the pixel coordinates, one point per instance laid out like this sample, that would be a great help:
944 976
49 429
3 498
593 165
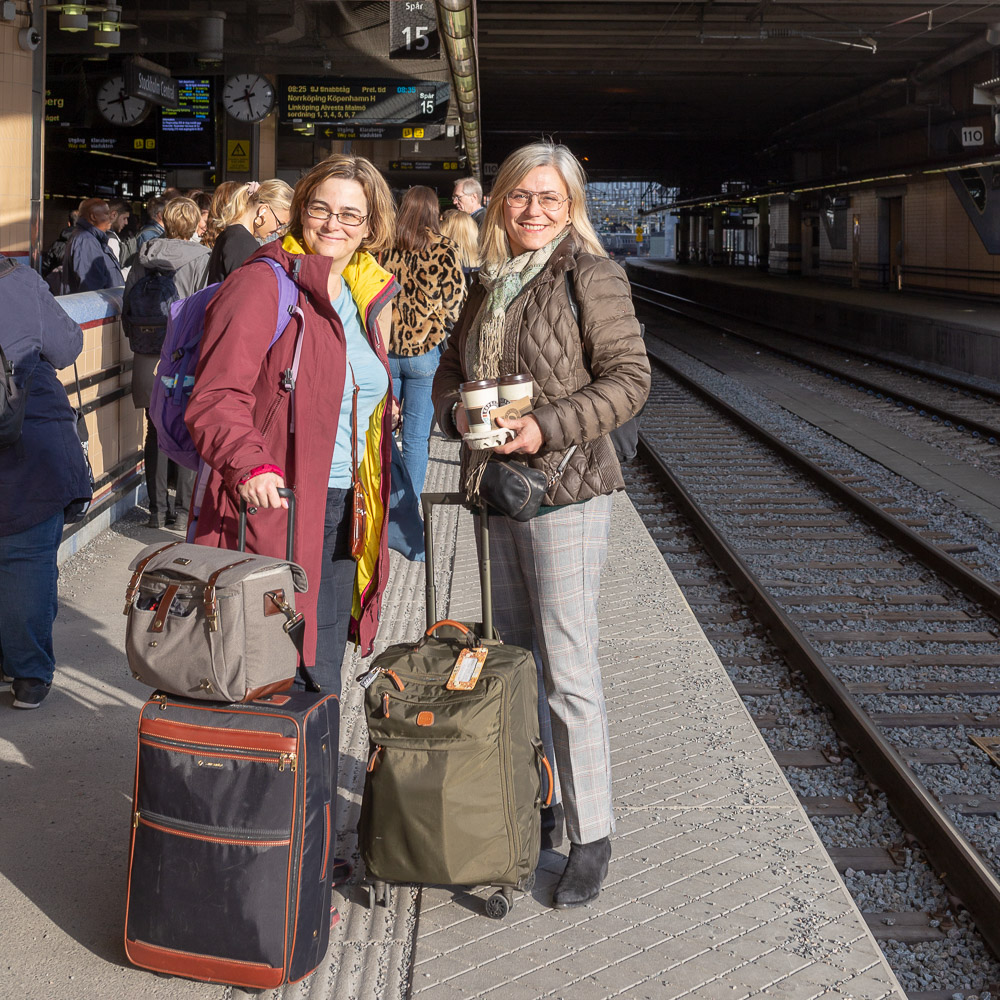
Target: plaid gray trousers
546 582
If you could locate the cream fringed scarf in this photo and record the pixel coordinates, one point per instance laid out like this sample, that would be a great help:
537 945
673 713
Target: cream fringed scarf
485 342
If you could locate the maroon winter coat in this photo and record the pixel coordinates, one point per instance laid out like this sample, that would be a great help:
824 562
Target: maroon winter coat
238 417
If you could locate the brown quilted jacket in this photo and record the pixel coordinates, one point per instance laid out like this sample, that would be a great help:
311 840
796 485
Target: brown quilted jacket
591 376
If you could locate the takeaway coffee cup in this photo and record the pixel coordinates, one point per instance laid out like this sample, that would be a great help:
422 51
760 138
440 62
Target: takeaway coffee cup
479 398
512 387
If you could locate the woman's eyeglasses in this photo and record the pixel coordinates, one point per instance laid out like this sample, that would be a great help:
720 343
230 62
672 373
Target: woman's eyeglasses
282 226
347 218
548 201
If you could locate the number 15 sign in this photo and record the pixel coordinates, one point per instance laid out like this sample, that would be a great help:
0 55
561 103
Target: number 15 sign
413 30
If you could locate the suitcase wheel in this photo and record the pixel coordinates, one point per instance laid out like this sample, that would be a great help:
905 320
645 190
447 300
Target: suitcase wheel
499 904
380 893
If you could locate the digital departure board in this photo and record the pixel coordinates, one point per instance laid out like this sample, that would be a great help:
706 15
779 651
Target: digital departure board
320 100
187 132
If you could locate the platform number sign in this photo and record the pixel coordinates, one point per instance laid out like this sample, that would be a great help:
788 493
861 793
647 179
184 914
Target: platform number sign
413 30
973 136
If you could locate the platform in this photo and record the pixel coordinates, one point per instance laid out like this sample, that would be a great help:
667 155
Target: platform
957 333
718 886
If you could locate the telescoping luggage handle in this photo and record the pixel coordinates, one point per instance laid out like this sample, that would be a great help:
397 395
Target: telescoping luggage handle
428 501
295 623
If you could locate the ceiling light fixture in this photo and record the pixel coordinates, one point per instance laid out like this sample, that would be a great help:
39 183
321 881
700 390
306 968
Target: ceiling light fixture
73 16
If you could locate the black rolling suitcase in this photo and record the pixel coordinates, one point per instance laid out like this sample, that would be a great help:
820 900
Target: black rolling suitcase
456 777
231 852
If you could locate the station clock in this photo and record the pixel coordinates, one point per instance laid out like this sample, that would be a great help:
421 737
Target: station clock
117 107
248 97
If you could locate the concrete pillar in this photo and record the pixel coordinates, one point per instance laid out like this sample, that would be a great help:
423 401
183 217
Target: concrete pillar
715 257
785 256
682 248
763 233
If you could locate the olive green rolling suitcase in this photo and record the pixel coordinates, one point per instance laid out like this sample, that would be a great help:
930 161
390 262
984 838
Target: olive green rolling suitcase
455 777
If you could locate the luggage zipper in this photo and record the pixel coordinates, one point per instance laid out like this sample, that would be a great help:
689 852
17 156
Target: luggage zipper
216 834
233 753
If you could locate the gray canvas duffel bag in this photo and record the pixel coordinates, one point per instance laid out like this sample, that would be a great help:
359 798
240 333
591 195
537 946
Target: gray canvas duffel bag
214 624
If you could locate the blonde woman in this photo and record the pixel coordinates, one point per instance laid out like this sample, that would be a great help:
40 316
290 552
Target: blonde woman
461 229
254 212
592 374
220 199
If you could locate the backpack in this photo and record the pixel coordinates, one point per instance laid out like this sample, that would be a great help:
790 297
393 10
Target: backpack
179 360
145 311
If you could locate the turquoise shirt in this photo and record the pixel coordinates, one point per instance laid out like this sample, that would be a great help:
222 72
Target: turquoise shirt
371 378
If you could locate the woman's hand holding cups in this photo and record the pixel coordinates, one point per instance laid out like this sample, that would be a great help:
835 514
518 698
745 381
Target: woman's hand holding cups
527 436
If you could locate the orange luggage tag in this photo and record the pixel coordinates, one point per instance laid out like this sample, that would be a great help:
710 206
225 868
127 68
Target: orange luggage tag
467 669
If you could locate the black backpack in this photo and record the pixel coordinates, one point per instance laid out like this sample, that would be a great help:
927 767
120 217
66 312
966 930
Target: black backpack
147 309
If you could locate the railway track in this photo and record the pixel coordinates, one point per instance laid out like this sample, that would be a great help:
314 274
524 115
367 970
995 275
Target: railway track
953 407
895 638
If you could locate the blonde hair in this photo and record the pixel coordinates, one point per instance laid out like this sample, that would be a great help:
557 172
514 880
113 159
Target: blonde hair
220 199
493 246
181 218
462 229
274 193
348 166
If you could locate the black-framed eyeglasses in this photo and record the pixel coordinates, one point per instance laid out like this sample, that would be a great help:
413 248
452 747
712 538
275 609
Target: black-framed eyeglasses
548 201
348 218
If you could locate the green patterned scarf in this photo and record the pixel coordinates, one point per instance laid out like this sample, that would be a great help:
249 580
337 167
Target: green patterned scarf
485 343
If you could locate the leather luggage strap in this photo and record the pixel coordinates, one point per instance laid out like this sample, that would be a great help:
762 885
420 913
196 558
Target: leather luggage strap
133 586
163 608
211 605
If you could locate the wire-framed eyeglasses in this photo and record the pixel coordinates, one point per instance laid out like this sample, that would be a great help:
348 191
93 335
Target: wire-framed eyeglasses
548 201
348 217
282 226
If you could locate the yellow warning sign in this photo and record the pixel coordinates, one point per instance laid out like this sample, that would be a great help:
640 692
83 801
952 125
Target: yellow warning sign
237 156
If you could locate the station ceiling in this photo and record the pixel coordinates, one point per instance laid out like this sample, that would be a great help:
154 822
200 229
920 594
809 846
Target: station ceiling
685 92
692 93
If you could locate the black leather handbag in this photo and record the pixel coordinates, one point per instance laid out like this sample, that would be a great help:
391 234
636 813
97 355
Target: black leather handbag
515 489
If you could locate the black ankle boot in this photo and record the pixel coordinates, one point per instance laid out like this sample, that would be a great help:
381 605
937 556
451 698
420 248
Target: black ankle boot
585 871
552 826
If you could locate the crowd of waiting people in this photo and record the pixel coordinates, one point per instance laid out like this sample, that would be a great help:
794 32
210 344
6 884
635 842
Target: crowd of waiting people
398 306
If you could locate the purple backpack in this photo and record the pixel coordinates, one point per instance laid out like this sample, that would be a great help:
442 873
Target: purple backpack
179 359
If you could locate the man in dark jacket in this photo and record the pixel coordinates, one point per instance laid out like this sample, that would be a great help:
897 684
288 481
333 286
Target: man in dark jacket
41 475
90 263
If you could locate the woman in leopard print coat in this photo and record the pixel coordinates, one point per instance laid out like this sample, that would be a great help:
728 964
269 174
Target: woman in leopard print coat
427 266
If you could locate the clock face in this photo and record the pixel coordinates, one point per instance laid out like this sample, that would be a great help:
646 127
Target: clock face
248 97
117 107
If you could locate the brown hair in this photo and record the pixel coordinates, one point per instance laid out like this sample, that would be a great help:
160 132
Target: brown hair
181 218
348 166
417 219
